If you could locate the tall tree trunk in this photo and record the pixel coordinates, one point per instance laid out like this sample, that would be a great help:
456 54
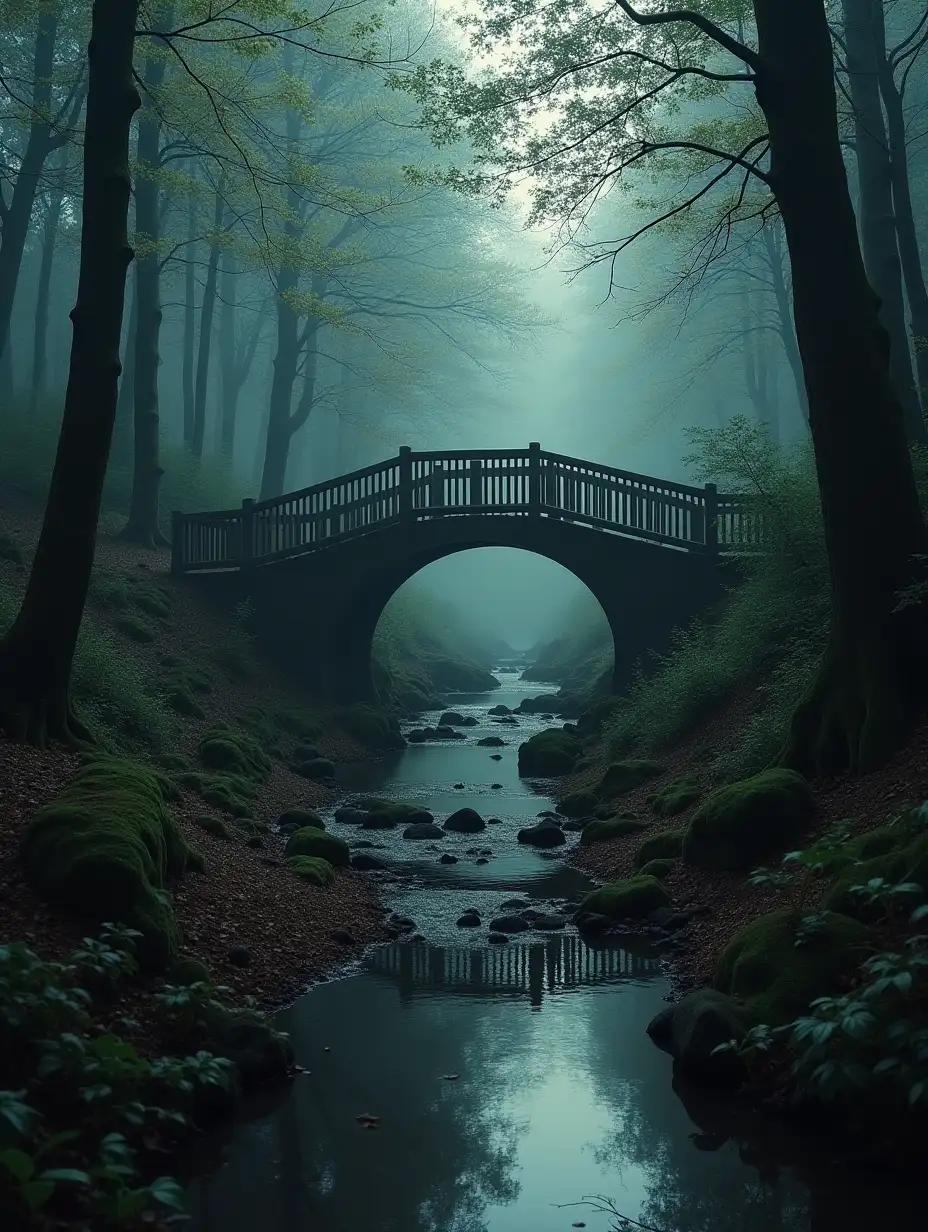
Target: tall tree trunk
40 335
38 147
189 317
206 327
854 716
295 477
906 231
37 652
877 219
227 356
286 361
7 377
142 526
787 328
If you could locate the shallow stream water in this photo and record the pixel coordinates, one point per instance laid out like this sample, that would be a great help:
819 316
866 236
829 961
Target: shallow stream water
509 1080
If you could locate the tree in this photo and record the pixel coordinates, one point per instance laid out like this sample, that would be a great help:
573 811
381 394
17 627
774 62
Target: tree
597 85
37 651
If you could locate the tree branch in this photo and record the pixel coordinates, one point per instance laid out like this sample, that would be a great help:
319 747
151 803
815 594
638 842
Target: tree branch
709 28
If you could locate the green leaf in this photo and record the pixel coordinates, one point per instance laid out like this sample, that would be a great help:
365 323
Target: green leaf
72 1175
37 1193
168 1192
18 1164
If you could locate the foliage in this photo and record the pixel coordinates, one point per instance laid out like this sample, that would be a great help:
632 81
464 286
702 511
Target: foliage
76 1105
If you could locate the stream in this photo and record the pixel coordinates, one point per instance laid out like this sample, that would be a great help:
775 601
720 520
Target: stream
509 1080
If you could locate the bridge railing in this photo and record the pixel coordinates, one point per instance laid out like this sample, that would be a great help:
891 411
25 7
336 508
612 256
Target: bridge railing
496 482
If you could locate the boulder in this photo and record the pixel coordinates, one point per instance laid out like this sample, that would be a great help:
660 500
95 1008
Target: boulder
447 858
364 862
592 922
509 924
318 768
388 816
240 956
515 904
665 845
312 842
743 824
548 922
578 804
498 710
548 754
298 818
694 1027
606 831
491 742
657 868
451 718
676 797
774 978
465 821
632 898
495 757
625 776
423 829
470 919
314 869
347 815
544 834
495 938
259 1053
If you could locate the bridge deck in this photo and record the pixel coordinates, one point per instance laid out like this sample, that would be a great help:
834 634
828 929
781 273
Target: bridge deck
530 483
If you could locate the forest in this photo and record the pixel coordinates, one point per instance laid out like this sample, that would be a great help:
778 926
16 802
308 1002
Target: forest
421 418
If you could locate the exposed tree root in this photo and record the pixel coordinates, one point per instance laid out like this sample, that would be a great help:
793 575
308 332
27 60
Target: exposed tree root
855 716
37 716
144 535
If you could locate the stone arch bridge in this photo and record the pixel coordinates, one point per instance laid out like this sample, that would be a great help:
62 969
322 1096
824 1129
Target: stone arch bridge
321 564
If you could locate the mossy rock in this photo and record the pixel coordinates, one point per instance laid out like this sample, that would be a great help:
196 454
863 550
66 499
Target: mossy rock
373 728
665 845
632 898
312 842
775 979
213 825
316 768
152 600
106 847
906 860
230 751
301 817
182 701
578 804
606 831
134 628
187 971
657 868
548 754
172 762
228 793
676 797
624 776
313 869
9 550
745 823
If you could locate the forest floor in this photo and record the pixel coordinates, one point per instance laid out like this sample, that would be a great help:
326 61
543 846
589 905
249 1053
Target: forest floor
245 897
722 903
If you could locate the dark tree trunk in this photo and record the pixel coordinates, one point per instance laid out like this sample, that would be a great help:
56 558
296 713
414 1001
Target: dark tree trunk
7 379
855 714
877 219
286 361
40 335
38 147
37 652
206 329
126 396
227 356
906 231
189 318
142 526
303 410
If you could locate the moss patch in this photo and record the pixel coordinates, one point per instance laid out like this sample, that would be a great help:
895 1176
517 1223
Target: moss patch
625 776
230 751
213 825
657 868
614 827
743 824
313 869
774 978
548 754
228 793
135 629
105 848
578 804
301 817
676 797
312 842
633 898
665 845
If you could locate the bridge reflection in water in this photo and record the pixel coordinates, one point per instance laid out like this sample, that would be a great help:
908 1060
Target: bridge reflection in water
552 965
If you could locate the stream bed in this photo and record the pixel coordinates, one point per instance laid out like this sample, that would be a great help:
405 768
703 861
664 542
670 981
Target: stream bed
509 1081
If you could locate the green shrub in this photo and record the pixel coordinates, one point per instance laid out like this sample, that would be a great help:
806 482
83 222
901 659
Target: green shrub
105 848
665 845
879 863
631 898
676 797
372 727
612 828
776 978
312 842
313 869
742 824
136 629
624 776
